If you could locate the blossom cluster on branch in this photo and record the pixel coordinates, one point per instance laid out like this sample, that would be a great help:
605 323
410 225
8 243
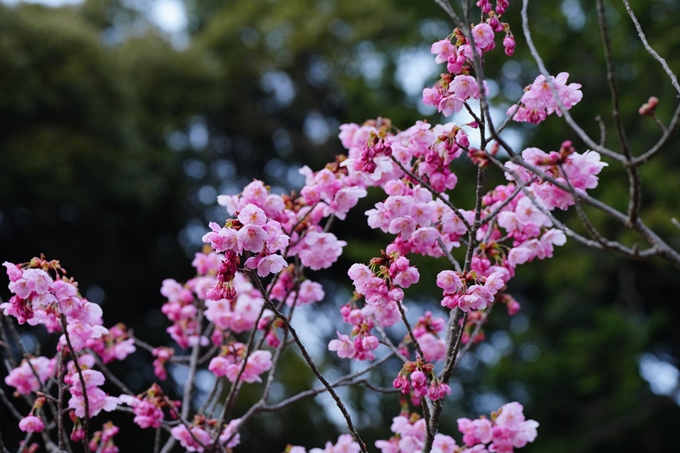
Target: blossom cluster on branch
234 318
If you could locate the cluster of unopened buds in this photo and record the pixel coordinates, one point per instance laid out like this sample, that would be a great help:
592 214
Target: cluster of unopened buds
418 372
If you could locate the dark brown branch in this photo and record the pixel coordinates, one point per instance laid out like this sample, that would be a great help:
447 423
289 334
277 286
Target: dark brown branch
79 370
653 151
652 52
269 304
633 173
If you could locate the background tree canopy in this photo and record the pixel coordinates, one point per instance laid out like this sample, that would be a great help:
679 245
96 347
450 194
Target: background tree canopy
114 144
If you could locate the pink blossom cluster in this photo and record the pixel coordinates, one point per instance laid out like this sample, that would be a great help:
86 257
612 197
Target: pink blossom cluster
114 345
40 299
162 356
23 378
538 100
381 286
345 444
230 363
424 222
454 89
418 373
102 441
97 399
409 436
181 311
506 430
285 290
147 407
426 332
473 292
373 158
200 436
265 224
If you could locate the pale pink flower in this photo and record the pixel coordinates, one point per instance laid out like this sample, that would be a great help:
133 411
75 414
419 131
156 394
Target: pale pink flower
252 215
464 87
483 36
443 444
251 237
449 281
444 50
229 434
31 424
344 346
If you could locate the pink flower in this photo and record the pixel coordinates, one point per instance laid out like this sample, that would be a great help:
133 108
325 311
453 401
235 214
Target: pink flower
444 50
252 215
464 87
449 281
510 416
268 264
13 271
23 379
186 440
31 424
509 45
344 346
218 365
483 36
251 237
443 443
229 434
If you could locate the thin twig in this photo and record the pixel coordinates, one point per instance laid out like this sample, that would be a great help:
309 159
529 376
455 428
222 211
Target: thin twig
410 332
343 381
157 441
387 342
446 6
654 150
10 406
110 376
633 173
311 363
195 352
448 254
473 335
603 130
79 371
652 52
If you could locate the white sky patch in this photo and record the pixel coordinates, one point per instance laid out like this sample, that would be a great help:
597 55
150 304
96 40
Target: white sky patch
663 377
415 65
498 115
169 15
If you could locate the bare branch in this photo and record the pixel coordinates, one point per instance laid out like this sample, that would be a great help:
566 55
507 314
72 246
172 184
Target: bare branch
633 174
446 6
189 385
9 405
269 304
652 52
343 381
79 371
647 156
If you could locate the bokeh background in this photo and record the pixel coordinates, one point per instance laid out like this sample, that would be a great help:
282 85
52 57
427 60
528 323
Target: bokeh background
121 120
